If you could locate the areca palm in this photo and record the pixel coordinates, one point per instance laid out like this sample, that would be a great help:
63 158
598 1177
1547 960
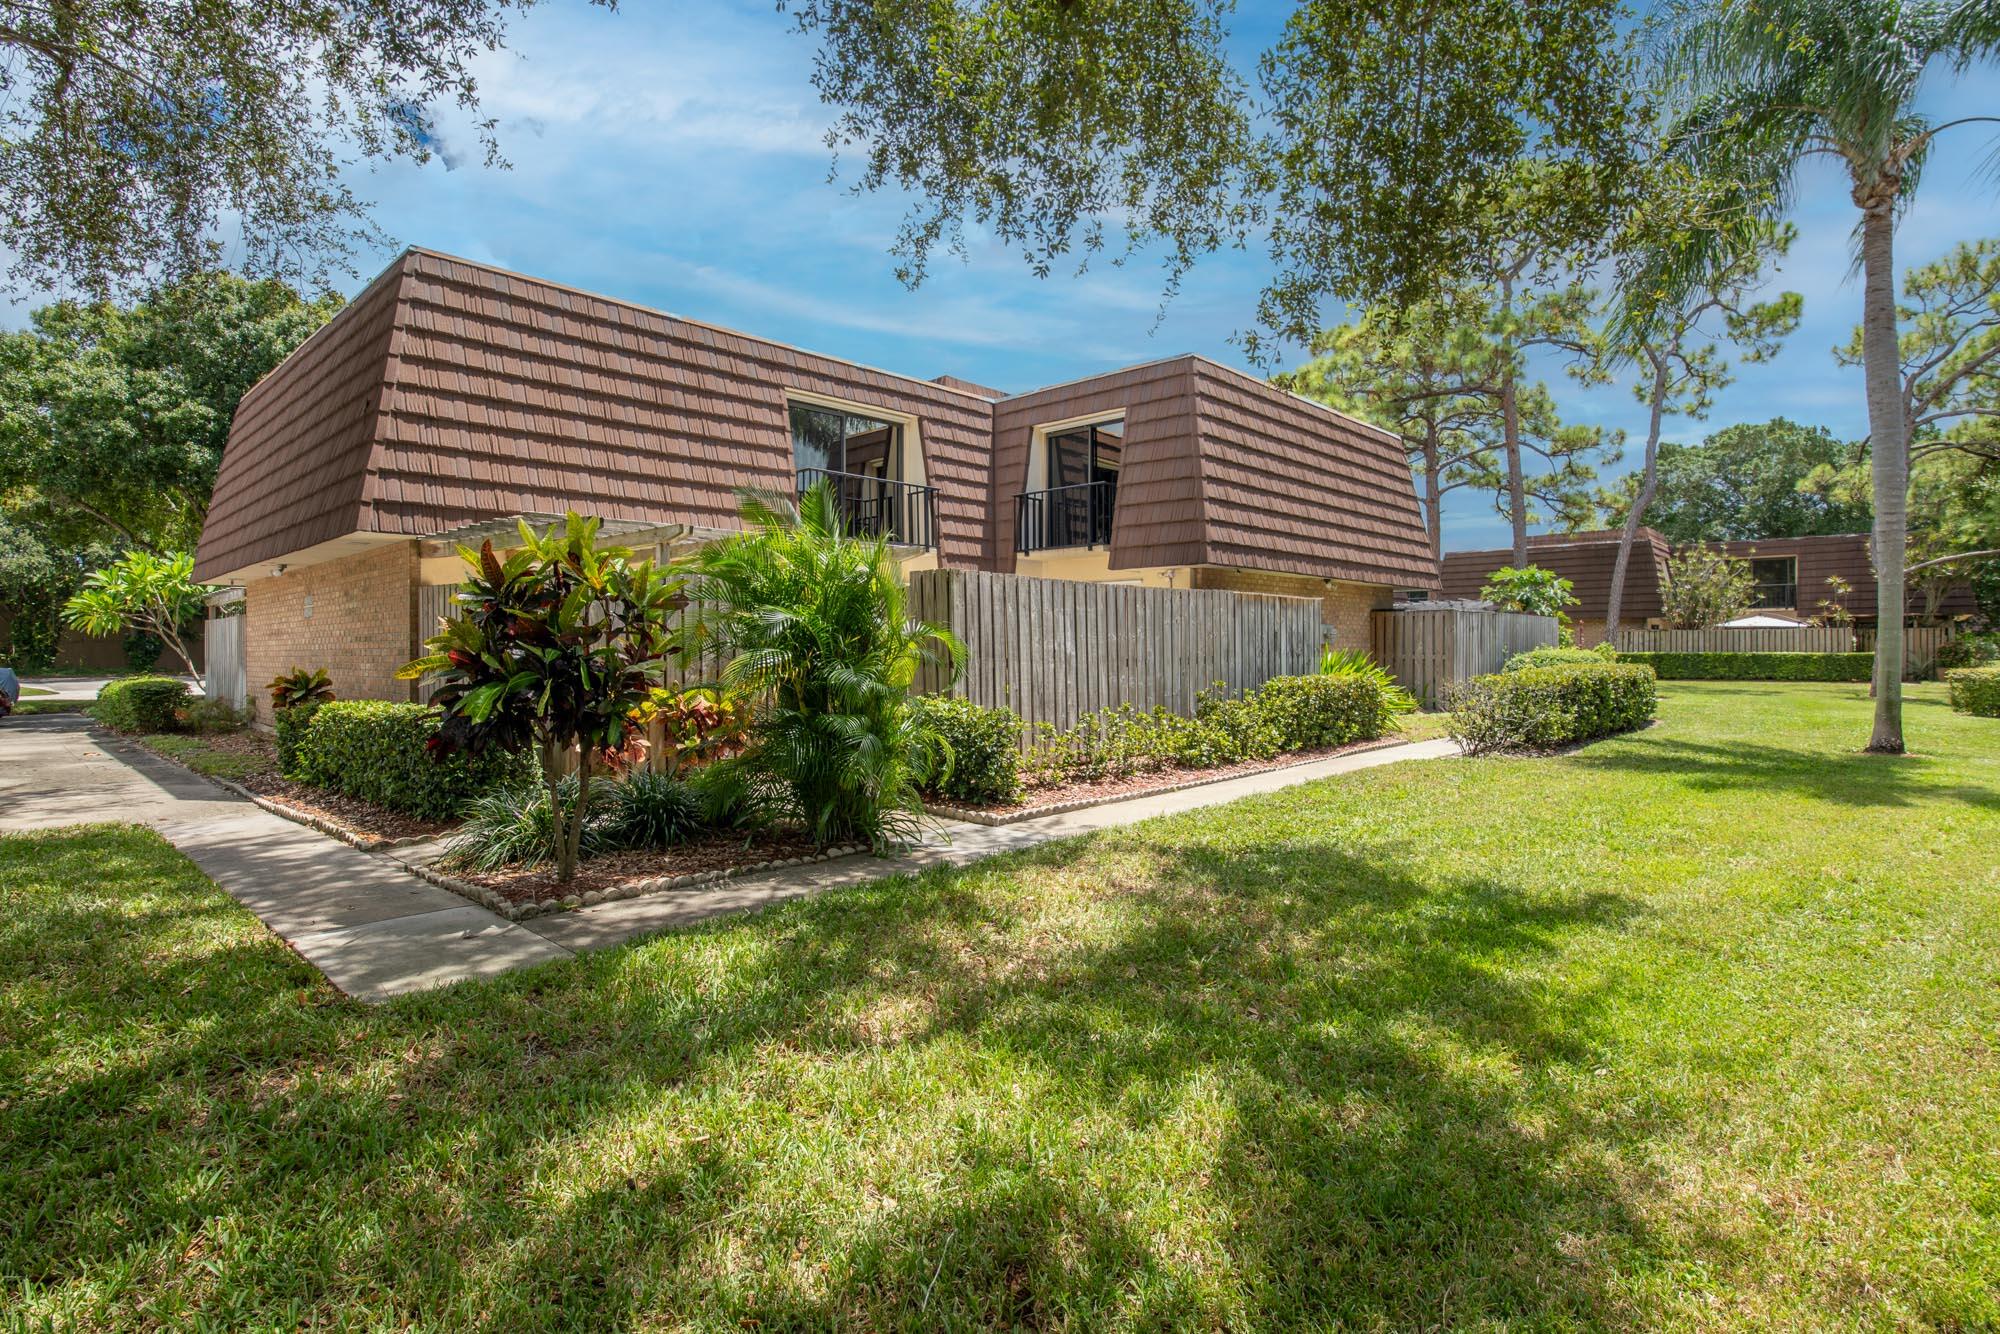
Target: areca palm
814 620
1767 84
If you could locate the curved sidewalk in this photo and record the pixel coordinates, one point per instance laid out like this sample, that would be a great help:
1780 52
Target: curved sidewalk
377 931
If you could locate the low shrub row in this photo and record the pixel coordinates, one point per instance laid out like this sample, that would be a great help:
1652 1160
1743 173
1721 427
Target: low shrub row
1538 708
513 825
141 704
1551 655
1287 713
1974 690
1981 649
378 751
1756 666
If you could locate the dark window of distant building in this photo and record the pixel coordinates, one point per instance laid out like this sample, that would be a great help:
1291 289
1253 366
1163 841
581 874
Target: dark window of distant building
1774 581
836 441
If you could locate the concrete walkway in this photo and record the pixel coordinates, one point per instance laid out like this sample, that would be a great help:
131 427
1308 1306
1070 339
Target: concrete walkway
377 931
374 929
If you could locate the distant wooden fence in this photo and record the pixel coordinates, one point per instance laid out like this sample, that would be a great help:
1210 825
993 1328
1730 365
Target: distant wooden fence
1920 642
1430 649
1053 650
1786 639
224 670
433 605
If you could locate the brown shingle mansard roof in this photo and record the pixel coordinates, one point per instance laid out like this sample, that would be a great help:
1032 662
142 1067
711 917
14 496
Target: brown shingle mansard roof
451 392
1585 559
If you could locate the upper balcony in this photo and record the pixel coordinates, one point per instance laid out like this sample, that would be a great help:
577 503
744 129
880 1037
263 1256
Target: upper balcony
872 468
1078 515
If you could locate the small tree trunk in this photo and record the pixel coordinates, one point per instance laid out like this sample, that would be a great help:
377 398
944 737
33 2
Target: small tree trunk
558 826
574 848
1890 459
1649 482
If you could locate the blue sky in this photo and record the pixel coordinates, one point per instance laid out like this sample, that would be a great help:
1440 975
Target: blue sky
672 155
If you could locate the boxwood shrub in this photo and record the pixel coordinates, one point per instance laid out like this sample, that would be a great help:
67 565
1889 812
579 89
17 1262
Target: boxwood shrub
1312 712
985 750
1550 655
1538 708
140 704
290 723
1757 666
1974 690
375 750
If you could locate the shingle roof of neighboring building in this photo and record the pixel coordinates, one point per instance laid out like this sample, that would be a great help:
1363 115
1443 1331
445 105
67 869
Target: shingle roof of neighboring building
1585 559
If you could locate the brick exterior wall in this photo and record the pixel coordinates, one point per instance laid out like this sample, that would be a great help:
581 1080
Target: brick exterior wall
362 625
1344 606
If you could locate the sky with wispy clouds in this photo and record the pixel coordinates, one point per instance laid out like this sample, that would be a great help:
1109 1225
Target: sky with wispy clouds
672 155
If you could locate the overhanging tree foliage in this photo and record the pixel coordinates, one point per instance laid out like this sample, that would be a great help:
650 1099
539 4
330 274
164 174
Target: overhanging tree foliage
131 134
156 595
1381 168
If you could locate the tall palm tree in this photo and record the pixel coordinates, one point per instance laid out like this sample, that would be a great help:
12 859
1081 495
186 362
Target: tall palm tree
1767 84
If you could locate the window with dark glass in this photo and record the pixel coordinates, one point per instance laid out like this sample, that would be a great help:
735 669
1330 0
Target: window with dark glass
1080 454
1774 581
835 441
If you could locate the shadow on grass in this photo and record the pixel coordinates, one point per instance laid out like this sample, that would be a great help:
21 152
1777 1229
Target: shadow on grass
1275 1082
1848 778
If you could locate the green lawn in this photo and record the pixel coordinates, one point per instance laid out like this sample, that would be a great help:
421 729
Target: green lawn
209 755
1695 1027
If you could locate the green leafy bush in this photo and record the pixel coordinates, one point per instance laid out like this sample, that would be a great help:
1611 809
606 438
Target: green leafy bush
648 810
1555 656
983 750
1976 650
1756 666
510 826
212 715
1974 690
300 685
1541 707
142 650
290 724
1312 712
141 704
1353 662
1286 713
381 752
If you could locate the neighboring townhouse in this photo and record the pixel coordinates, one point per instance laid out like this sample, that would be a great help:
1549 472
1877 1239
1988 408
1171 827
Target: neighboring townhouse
451 398
1790 577
1586 560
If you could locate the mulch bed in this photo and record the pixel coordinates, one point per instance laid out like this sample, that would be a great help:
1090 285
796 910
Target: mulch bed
711 852
1094 791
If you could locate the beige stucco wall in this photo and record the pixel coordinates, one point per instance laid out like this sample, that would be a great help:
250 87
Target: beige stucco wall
354 616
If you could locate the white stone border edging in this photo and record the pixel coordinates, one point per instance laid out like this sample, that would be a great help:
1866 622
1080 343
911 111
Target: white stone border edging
480 894
973 815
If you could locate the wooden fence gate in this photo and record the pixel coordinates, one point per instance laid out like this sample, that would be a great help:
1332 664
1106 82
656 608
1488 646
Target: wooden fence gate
1430 649
1053 650
222 657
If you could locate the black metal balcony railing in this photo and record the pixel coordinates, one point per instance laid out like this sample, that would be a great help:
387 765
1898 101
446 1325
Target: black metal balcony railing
903 512
1078 515
1772 594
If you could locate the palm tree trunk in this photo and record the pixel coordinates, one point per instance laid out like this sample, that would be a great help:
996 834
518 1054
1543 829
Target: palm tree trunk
1649 482
1890 461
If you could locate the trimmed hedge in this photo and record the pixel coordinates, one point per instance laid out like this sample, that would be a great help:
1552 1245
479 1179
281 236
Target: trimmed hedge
1756 666
1974 690
1314 712
290 723
140 704
376 750
1542 707
1554 656
985 746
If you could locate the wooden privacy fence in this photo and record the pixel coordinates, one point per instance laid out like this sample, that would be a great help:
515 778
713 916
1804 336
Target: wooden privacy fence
1745 639
222 655
1053 650
1430 649
1920 642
